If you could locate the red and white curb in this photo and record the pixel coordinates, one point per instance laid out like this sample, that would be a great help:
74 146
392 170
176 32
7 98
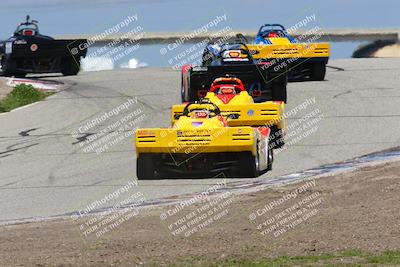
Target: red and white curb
38 84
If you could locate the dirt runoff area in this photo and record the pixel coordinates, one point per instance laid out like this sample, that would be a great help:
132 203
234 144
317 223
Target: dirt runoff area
4 88
350 211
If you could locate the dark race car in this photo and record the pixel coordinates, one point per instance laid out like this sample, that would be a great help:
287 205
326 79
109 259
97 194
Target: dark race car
233 59
28 51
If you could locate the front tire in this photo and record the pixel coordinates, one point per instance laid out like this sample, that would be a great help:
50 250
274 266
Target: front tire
70 67
145 169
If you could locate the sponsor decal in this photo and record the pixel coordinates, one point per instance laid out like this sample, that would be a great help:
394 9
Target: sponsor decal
250 112
34 47
20 42
146 133
199 68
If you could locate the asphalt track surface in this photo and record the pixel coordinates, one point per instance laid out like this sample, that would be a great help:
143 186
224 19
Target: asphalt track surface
45 171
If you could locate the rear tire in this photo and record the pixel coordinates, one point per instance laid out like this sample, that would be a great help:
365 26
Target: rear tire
70 67
145 168
318 71
249 164
8 67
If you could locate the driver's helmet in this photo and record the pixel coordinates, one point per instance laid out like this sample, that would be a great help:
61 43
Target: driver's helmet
226 90
273 34
27 32
214 49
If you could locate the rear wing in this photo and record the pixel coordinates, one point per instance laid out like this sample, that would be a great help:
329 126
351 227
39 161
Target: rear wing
256 115
292 50
23 48
175 141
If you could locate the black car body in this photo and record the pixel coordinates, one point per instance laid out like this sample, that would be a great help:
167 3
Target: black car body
28 51
233 59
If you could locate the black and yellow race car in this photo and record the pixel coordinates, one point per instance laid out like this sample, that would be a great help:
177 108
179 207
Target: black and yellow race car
233 59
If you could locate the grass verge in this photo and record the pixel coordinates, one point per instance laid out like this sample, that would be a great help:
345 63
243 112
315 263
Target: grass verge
21 95
346 258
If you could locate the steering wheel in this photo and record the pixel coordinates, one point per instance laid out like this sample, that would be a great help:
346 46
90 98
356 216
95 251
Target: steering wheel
203 101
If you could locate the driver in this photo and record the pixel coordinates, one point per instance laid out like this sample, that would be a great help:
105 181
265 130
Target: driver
28 28
226 90
273 34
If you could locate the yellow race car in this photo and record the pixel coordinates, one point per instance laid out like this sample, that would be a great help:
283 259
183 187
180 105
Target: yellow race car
208 139
237 106
304 60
